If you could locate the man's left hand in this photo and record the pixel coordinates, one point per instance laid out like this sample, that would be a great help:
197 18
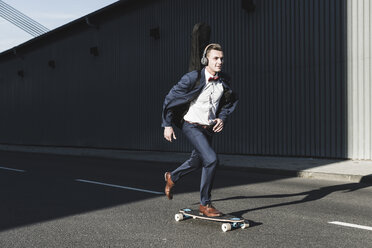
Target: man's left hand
218 126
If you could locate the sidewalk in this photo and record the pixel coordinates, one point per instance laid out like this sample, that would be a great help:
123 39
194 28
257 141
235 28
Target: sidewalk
340 170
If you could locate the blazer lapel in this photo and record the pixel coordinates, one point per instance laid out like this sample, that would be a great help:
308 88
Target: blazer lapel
196 91
202 79
223 81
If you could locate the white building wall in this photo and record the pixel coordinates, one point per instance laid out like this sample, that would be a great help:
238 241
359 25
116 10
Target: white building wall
359 90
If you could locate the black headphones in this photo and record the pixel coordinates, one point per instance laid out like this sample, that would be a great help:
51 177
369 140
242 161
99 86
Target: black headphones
204 60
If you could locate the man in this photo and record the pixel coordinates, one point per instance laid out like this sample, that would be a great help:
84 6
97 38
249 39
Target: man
199 104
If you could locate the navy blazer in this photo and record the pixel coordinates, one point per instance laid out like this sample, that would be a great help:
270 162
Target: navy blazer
177 102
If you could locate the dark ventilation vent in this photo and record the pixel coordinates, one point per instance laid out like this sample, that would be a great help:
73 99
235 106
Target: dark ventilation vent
94 51
155 33
21 73
52 64
248 5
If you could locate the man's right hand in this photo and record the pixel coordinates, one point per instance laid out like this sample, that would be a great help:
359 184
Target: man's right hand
169 133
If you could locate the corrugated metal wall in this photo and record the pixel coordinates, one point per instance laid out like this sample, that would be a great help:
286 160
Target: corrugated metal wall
359 79
287 60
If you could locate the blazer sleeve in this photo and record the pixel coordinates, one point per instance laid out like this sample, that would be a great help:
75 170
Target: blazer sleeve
176 94
229 105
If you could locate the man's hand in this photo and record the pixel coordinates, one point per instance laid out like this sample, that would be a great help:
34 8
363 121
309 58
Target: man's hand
169 133
218 126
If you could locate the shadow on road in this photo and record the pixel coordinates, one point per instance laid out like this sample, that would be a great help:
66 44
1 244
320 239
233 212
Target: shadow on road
48 189
312 195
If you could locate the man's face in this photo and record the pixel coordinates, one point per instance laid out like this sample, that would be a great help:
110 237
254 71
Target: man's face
215 61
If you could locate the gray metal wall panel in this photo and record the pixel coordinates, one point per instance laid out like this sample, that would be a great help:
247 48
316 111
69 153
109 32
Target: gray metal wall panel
287 61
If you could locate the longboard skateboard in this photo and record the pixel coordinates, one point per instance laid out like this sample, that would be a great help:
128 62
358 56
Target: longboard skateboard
229 222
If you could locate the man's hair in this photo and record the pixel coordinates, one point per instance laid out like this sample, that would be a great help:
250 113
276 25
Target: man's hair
214 46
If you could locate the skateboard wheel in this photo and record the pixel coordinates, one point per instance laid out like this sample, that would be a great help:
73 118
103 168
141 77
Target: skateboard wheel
246 224
178 217
226 227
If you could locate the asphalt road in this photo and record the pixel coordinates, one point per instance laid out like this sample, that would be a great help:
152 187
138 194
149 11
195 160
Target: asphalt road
66 201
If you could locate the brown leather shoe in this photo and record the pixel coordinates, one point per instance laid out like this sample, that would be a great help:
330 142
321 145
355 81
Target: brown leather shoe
168 187
209 211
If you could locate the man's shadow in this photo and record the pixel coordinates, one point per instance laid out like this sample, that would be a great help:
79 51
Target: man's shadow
311 195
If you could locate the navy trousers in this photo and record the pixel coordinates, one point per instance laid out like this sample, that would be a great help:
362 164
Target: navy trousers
203 156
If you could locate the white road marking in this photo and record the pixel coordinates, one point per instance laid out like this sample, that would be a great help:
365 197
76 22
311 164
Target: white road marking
11 169
351 225
121 187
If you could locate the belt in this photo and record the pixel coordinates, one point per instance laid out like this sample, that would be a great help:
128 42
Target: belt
200 125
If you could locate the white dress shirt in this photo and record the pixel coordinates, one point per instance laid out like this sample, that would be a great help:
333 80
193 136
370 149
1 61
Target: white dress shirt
203 109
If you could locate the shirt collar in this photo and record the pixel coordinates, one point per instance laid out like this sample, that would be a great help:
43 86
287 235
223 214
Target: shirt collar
208 75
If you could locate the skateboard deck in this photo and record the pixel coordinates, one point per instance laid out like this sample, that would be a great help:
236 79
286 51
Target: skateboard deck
229 222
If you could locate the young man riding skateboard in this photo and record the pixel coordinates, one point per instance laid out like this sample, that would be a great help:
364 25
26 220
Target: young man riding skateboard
199 105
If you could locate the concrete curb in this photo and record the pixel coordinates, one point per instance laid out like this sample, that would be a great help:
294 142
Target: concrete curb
304 174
